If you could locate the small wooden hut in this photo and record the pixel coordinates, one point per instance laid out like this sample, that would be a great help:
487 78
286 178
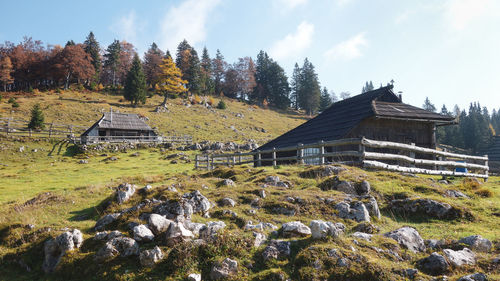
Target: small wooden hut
119 127
376 115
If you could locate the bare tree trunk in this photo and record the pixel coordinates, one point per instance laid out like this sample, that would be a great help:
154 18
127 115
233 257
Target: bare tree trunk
66 85
164 103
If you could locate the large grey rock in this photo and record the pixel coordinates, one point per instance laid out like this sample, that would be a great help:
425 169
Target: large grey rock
327 171
363 188
372 207
194 277
194 227
55 249
227 202
346 187
275 181
105 220
364 236
209 231
228 182
474 277
149 258
408 237
259 239
295 228
260 226
276 249
435 264
122 246
355 211
455 194
425 207
142 233
158 223
200 204
321 229
177 233
459 258
224 269
107 235
477 243
124 192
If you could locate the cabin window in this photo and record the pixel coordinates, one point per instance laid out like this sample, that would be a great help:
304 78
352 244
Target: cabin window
311 151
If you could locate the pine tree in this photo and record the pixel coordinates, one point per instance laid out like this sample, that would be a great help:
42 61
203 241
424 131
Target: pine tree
152 61
188 62
206 82
5 72
428 105
325 100
170 82
37 118
91 47
218 70
309 90
294 85
135 84
112 59
271 83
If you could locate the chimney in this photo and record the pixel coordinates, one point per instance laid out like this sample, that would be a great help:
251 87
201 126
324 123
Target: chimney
400 96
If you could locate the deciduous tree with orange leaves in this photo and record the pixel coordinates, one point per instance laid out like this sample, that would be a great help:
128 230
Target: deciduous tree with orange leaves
170 80
5 72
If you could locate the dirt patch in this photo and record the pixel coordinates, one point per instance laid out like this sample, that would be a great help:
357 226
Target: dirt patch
46 198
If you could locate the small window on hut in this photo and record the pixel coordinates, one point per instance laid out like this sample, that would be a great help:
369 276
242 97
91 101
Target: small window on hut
309 152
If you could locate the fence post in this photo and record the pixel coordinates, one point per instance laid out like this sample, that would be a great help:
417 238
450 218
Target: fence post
486 171
259 157
50 129
274 157
300 153
361 149
234 160
239 157
412 155
322 152
213 163
30 132
208 162
196 161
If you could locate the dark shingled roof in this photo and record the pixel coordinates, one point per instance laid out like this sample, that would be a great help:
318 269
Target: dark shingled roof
120 121
341 117
493 151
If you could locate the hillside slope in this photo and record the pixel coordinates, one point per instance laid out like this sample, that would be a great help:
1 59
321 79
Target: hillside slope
239 122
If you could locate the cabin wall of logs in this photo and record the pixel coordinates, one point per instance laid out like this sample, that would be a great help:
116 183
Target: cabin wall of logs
363 152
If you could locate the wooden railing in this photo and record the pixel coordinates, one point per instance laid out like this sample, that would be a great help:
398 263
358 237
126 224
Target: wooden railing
146 139
363 152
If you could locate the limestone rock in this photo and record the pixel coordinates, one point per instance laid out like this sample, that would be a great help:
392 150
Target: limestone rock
194 277
122 246
228 182
295 228
124 192
200 204
372 207
142 233
435 264
209 231
364 236
259 239
55 249
427 207
408 237
177 233
105 220
474 277
158 223
276 249
477 243
149 258
227 202
321 229
260 226
455 194
224 269
363 188
355 211
459 258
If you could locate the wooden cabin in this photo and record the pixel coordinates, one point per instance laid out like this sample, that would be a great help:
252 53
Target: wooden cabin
377 115
119 127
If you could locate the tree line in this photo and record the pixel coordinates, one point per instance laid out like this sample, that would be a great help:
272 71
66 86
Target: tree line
473 129
31 65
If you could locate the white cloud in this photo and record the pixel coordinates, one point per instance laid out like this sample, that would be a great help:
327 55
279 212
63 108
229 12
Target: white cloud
402 17
460 13
342 2
349 49
290 4
127 27
294 43
186 21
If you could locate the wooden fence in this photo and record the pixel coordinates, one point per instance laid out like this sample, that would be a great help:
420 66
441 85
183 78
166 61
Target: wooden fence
367 153
146 139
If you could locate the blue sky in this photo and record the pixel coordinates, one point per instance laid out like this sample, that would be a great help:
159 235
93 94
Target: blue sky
448 50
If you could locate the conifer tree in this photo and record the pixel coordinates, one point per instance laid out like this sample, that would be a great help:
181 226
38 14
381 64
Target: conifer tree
112 59
170 82
428 105
325 100
218 70
310 91
294 85
37 118
135 84
152 61
206 82
188 62
92 48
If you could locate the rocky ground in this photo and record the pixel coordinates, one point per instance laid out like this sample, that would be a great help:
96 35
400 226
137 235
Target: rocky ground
296 223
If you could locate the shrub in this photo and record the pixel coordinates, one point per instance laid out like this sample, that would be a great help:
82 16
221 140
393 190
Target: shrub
37 119
211 101
30 90
221 105
197 99
11 100
15 104
100 87
59 91
483 192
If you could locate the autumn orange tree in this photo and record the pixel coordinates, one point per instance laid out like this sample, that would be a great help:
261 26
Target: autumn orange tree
170 80
5 72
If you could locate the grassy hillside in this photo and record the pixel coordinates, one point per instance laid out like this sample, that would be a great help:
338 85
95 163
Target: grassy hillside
239 122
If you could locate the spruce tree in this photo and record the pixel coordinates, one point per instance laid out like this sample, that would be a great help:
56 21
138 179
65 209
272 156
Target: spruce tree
112 59
295 85
188 62
428 105
325 100
218 69
310 91
91 47
135 84
37 118
206 82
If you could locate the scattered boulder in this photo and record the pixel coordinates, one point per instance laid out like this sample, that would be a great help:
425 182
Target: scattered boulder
321 229
142 233
228 182
477 243
366 227
455 194
435 244
355 211
435 264
372 207
260 226
276 249
459 258
259 239
158 223
149 258
83 161
200 204
408 237
55 249
177 233
364 236
327 171
363 188
209 231
194 277
105 220
474 277
295 228
124 192
262 193
427 207
227 202
224 269
105 235
122 246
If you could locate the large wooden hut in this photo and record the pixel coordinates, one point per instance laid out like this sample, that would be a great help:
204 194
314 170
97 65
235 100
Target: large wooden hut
119 127
378 115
